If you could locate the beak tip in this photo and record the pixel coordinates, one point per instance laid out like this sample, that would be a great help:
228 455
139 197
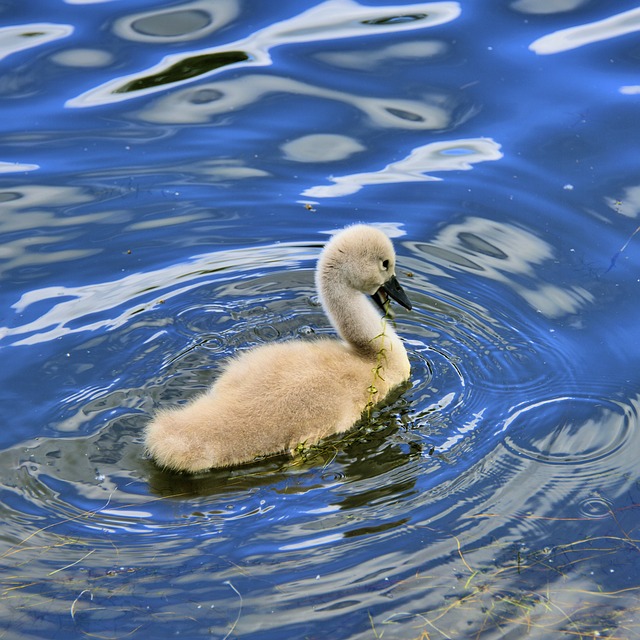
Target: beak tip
393 288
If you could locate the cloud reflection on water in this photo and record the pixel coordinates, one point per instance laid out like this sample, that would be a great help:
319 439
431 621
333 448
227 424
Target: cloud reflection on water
34 234
200 104
629 204
26 36
189 21
508 254
416 49
451 155
111 304
329 20
546 6
578 36
321 147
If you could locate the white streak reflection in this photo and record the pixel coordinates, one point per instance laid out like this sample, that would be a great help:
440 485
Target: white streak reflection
574 37
202 103
107 305
452 155
17 167
314 542
26 36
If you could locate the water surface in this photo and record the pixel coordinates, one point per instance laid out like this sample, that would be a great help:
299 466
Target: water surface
170 172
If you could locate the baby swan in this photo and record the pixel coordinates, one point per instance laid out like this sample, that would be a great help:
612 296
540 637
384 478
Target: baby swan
276 396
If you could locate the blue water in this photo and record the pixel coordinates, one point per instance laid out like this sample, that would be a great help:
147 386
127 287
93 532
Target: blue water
168 175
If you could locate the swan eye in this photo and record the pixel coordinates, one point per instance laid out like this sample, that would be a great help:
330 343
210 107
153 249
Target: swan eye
385 264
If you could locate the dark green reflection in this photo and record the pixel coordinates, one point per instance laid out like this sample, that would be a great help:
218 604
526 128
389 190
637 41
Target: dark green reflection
397 19
187 68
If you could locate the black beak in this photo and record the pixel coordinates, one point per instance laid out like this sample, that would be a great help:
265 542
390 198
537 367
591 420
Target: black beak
391 289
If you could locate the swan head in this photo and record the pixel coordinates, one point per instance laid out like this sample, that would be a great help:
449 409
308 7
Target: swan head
363 258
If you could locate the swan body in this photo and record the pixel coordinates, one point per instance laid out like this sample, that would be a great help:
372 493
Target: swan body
274 397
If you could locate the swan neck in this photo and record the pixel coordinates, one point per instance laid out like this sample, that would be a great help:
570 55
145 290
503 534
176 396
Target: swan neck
354 316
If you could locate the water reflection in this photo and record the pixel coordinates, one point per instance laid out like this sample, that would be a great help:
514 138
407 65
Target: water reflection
629 204
496 497
189 21
207 100
183 69
108 305
574 37
547 6
26 36
329 20
499 251
83 58
412 50
374 526
321 147
583 431
32 211
452 155
17 167
553 301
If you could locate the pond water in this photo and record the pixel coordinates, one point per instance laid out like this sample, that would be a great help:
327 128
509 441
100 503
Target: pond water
169 173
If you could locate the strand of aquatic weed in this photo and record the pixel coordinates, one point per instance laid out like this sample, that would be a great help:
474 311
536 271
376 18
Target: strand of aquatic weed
233 626
390 620
72 564
72 609
379 359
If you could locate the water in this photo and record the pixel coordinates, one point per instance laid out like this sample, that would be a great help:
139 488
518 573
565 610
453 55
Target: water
170 172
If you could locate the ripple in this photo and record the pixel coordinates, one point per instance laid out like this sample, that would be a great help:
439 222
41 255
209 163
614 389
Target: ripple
92 475
328 20
57 311
433 445
595 508
569 430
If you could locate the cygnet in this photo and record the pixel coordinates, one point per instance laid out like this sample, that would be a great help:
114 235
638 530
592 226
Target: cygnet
276 397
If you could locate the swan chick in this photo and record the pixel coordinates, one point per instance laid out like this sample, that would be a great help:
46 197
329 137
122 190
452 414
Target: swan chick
274 397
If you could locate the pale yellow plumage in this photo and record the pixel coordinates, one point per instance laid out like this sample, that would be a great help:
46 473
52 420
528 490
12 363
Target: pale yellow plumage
274 397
